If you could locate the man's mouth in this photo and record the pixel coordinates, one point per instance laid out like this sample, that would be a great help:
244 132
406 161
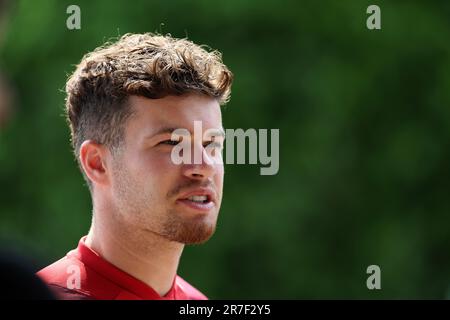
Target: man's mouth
199 199
202 200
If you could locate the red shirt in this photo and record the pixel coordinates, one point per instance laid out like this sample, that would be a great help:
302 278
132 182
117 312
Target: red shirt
84 274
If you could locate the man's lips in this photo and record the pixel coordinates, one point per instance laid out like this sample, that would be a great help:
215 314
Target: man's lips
205 205
209 193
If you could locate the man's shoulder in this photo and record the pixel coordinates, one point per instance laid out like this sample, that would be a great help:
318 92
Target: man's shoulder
63 278
190 291
59 271
70 278
56 273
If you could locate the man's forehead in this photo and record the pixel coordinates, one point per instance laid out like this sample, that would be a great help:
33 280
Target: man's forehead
176 105
176 112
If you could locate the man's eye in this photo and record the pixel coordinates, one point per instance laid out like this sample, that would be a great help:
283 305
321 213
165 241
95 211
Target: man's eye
213 144
170 142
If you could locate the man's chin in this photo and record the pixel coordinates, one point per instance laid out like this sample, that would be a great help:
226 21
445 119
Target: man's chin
198 240
191 234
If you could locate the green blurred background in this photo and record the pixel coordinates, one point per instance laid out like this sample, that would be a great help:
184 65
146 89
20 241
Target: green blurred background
364 119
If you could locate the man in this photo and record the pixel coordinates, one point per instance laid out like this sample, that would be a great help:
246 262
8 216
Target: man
124 101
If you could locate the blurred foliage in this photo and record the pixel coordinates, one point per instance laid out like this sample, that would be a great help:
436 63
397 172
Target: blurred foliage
364 123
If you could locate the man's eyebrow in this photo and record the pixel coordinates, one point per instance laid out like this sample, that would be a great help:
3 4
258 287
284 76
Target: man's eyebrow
163 130
169 130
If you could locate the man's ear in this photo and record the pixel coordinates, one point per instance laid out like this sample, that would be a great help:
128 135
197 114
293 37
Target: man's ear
93 160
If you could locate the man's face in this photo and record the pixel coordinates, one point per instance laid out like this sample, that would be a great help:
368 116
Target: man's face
153 194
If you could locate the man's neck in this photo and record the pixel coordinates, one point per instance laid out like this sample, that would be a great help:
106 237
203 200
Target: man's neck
148 257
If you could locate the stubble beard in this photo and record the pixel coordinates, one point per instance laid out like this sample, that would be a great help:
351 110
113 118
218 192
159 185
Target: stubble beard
140 213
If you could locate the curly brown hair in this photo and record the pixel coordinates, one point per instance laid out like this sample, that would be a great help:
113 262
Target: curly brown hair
148 65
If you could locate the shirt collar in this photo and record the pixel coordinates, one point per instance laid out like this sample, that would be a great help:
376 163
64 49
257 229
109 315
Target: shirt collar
128 283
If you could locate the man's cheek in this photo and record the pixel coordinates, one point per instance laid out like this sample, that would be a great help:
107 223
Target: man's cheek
220 173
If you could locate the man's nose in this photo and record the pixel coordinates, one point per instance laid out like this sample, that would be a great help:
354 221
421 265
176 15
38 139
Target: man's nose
202 166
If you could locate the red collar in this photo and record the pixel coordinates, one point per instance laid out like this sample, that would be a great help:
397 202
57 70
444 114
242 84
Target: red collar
132 287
